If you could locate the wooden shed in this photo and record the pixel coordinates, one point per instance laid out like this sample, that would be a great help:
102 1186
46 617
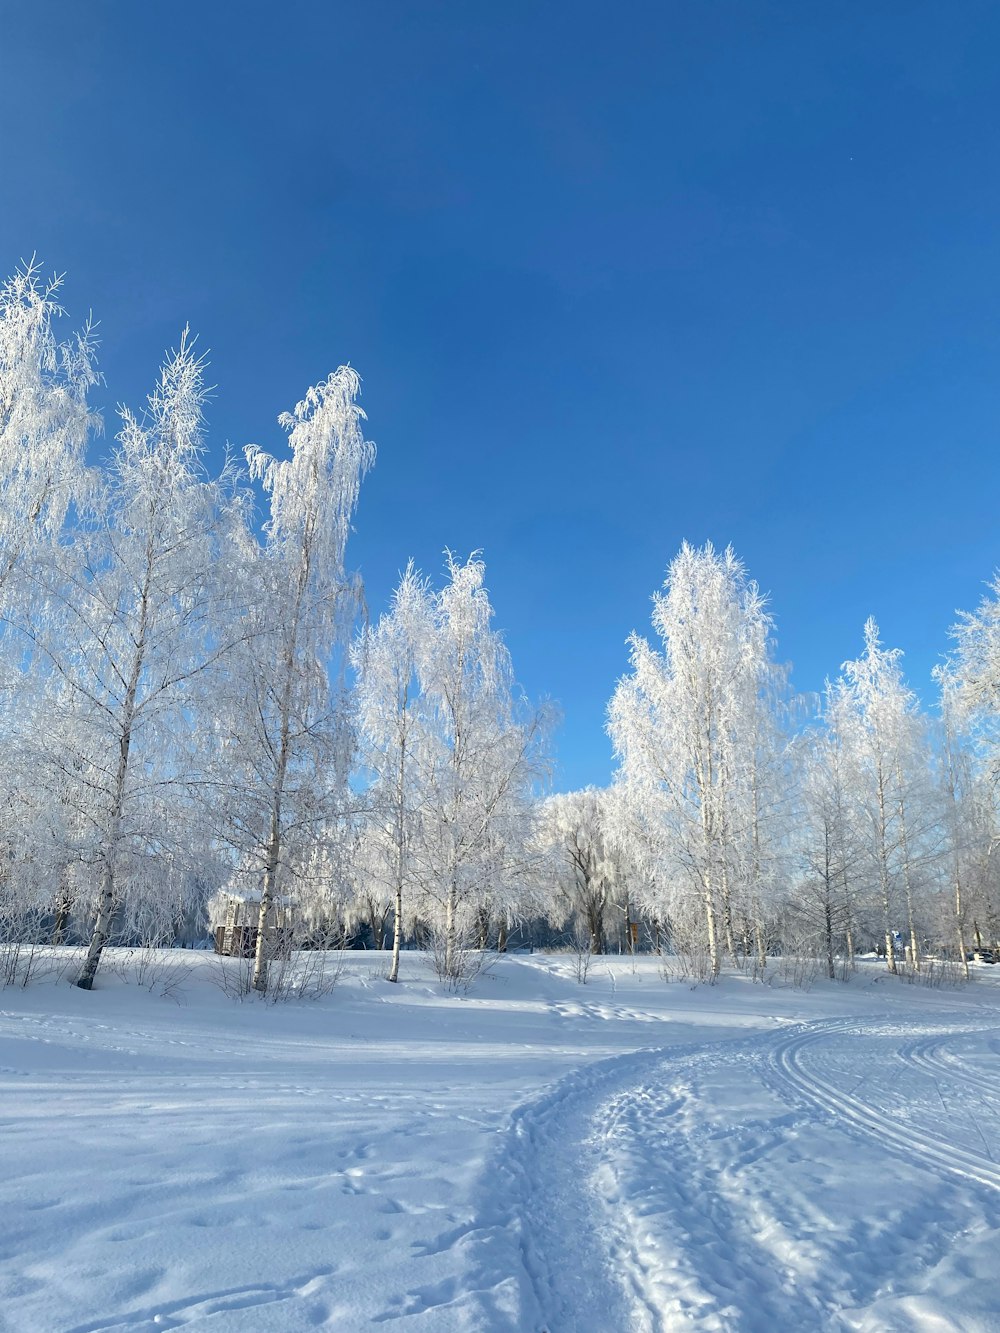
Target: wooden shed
236 921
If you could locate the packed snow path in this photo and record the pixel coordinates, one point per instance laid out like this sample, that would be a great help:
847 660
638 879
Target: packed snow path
620 1157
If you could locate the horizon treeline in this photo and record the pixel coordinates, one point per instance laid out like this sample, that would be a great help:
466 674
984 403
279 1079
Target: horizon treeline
200 726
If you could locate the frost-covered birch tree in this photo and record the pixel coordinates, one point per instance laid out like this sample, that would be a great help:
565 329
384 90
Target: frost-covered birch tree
392 742
288 750
45 424
885 740
481 752
967 814
685 725
762 808
971 705
826 839
126 638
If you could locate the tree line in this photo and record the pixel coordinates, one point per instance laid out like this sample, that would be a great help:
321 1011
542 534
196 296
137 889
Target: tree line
196 709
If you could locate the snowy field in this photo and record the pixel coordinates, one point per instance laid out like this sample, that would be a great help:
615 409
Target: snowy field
540 1155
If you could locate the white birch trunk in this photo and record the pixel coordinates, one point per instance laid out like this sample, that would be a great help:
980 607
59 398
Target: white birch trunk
107 901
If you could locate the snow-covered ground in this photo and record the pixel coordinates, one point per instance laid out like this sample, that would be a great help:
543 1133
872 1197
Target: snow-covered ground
540 1155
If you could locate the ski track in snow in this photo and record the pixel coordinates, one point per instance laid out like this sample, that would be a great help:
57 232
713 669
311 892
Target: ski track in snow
634 1209
900 1130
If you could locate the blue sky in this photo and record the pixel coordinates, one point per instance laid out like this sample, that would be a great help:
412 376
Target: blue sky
615 276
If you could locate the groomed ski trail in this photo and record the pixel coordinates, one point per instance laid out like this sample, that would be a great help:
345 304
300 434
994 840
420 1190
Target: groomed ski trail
921 1055
634 1198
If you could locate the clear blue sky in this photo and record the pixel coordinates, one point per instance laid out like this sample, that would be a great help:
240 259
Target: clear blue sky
615 275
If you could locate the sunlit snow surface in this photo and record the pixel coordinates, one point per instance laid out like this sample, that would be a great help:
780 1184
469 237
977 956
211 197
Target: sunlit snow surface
541 1155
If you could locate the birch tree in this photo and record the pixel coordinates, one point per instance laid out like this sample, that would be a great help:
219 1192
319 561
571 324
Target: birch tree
45 425
391 735
762 805
826 838
683 724
128 635
289 744
887 747
481 752
967 816
971 704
